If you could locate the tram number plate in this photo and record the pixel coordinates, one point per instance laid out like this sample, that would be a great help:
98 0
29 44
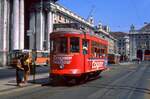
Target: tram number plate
97 64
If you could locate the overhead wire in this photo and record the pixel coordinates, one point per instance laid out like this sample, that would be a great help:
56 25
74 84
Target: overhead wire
136 11
91 11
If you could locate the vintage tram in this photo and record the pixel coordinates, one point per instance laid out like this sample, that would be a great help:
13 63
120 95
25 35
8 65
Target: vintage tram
113 58
76 54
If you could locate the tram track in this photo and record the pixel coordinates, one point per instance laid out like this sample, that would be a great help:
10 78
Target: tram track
124 83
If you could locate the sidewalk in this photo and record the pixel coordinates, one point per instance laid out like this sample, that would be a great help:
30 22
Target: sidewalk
121 63
4 67
125 63
9 84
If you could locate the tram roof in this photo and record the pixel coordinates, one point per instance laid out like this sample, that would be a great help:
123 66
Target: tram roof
75 31
71 28
68 30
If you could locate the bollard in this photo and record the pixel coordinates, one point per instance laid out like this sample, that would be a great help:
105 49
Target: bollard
34 72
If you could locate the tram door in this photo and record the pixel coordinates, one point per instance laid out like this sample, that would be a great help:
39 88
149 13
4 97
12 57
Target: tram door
85 52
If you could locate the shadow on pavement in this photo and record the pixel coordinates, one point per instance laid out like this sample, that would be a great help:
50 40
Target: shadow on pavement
62 83
39 81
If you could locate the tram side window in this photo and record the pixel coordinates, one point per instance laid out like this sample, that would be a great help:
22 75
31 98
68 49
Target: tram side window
42 54
95 49
45 54
74 44
103 51
98 50
39 54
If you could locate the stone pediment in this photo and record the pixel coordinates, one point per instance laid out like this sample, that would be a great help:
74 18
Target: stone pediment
146 28
118 34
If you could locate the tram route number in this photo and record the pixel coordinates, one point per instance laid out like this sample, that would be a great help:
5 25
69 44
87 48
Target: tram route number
97 64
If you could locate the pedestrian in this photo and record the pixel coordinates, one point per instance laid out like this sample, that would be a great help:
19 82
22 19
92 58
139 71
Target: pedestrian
27 62
19 72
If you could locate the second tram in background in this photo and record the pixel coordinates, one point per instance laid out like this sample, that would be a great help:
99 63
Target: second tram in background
76 54
42 57
113 58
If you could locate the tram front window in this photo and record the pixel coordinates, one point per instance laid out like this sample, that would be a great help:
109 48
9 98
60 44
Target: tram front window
60 45
74 44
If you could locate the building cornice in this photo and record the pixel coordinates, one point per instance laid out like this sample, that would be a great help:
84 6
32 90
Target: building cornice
65 11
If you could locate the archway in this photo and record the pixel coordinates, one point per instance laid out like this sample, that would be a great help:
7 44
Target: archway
140 54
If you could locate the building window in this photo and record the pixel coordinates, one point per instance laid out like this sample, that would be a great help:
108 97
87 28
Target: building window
55 21
139 37
65 20
60 17
119 44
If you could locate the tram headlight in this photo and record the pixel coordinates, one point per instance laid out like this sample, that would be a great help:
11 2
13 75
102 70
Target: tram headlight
61 66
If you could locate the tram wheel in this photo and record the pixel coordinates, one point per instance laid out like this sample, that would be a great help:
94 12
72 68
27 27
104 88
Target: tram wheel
82 79
97 73
53 82
68 80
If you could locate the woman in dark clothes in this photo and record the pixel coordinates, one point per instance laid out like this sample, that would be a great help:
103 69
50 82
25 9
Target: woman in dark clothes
19 71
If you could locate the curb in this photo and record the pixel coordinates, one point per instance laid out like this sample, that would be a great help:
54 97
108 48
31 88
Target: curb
17 89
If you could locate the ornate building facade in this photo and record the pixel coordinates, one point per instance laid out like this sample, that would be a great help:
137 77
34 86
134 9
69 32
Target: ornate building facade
26 24
140 43
122 44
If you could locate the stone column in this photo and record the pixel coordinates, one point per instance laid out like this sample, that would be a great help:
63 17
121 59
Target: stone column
15 32
32 29
50 8
4 37
132 46
2 23
3 31
49 28
0 18
21 24
39 28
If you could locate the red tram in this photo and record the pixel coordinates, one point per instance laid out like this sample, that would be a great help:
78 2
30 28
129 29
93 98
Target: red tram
76 54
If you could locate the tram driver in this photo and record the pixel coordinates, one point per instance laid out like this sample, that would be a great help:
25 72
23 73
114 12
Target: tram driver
85 50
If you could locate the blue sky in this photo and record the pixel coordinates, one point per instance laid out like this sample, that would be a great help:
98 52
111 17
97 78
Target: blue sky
118 14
